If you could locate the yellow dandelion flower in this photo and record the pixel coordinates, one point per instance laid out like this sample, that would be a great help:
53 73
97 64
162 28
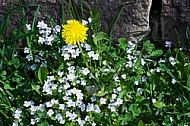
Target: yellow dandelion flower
74 32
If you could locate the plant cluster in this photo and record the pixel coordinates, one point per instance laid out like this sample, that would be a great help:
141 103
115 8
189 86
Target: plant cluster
72 74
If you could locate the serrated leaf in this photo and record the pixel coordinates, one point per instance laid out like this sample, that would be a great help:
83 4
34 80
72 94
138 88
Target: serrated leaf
42 74
159 105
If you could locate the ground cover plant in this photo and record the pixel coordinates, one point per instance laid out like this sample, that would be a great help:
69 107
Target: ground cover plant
72 74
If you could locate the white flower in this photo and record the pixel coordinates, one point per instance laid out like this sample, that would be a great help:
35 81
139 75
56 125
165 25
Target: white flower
119 101
168 44
95 57
113 96
143 62
15 124
48 104
83 82
144 78
89 19
71 69
26 50
28 26
29 57
71 77
87 47
62 106
42 25
70 103
104 62
82 107
84 22
87 118
85 71
102 100
33 110
158 69
173 81
161 61
139 90
28 103
97 109
153 100
60 73
50 112
119 89
136 82
81 122
116 78
91 54
111 106
123 76
93 98
53 101
32 121
129 64
172 60
57 28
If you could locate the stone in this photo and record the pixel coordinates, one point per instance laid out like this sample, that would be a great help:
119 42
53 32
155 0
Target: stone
174 20
134 19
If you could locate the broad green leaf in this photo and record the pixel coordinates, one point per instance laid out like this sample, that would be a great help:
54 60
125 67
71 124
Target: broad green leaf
140 123
159 105
122 43
134 109
8 87
148 46
126 119
101 92
36 88
42 74
156 53
4 73
100 36
45 123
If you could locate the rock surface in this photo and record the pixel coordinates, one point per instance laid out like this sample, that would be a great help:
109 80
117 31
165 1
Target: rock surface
175 19
133 21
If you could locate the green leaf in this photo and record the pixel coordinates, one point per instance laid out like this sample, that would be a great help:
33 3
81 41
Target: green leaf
42 74
156 53
134 109
122 43
159 105
45 123
101 92
8 87
148 46
140 123
100 36
188 81
126 119
4 73
98 116
36 88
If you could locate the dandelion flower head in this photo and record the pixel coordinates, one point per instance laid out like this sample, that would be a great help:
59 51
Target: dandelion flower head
74 32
